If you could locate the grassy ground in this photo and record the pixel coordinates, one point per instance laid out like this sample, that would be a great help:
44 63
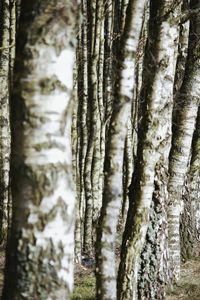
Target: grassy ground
84 284
188 287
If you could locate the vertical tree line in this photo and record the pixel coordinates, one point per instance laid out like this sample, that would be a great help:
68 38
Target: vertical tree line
99 144
151 51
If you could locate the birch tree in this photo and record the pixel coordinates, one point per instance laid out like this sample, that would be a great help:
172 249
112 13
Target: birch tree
190 219
81 133
93 159
6 50
183 128
40 254
153 136
112 194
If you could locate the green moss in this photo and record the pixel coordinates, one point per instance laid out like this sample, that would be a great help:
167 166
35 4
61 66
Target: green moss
84 288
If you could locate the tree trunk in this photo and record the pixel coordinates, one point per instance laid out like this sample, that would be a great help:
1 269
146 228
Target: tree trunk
190 219
92 159
153 137
183 128
153 273
112 194
39 261
5 50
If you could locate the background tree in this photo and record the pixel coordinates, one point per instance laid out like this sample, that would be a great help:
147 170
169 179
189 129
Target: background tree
153 137
183 129
112 194
7 50
189 223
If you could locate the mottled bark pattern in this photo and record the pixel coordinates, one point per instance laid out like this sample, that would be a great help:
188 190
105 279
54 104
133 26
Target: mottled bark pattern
183 128
4 115
112 194
153 273
40 257
190 219
153 137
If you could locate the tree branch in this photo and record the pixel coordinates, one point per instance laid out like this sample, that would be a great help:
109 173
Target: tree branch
7 47
188 14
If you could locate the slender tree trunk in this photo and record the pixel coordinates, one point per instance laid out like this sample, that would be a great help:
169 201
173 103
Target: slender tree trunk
153 136
127 173
39 261
106 234
75 167
194 183
183 128
92 160
133 122
5 49
82 79
98 112
108 61
190 219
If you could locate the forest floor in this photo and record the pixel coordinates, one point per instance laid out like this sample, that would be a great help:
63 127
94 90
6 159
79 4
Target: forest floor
187 288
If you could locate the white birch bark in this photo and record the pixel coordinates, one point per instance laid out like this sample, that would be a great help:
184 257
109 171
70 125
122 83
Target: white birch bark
98 112
179 159
75 166
4 118
40 254
112 195
190 218
154 134
194 178
183 128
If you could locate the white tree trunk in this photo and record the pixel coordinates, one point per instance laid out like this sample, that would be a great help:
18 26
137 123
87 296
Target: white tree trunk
183 129
112 194
154 135
40 257
4 118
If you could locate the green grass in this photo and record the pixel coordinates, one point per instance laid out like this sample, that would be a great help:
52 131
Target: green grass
84 287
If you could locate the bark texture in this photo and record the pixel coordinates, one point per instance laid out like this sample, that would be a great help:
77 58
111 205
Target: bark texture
39 262
153 273
5 50
183 128
112 194
153 137
190 219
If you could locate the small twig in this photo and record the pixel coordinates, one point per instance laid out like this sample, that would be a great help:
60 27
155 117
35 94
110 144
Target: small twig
7 47
166 14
